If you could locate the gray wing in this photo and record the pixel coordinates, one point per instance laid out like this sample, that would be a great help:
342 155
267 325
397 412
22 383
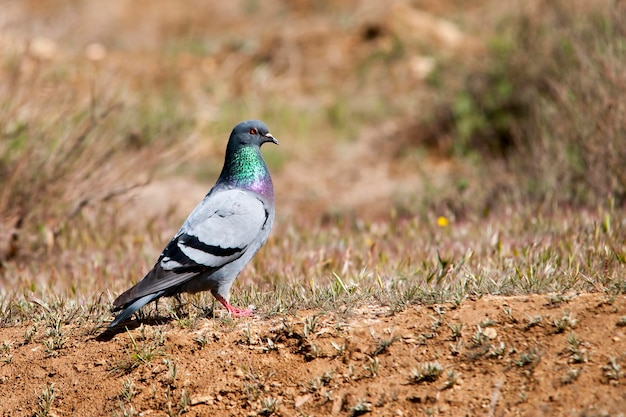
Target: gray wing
217 232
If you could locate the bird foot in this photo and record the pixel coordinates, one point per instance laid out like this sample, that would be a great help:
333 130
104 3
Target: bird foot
234 311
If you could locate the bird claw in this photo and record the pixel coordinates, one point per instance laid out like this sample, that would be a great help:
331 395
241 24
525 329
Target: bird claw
237 312
234 311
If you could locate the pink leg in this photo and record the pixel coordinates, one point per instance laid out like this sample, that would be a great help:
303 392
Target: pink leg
236 312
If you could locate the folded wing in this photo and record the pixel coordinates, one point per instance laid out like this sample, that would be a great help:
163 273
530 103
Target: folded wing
219 231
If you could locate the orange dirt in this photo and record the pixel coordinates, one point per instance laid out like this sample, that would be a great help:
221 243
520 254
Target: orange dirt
519 365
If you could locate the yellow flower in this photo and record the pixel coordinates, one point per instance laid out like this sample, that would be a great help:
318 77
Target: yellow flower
442 221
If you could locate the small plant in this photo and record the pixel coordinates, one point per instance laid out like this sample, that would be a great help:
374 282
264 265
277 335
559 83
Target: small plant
372 367
382 345
570 376
185 402
451 381
125 412
269 406
202 340
534 321
45 401
320 381
479 338
508 312
340 349
310 323
576 352
456 330
248 338
436 323
497 352
5 350
612 370
29 334
527 358
426 372
488 323
564 323
172 368
455 349
128 390
256 382
557 299
361 407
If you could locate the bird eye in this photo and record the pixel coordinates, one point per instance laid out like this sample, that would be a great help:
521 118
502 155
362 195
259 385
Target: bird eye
253 131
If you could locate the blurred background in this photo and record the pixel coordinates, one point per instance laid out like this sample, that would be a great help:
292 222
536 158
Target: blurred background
115 116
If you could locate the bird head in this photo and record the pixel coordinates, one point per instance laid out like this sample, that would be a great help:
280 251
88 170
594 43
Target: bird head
251 132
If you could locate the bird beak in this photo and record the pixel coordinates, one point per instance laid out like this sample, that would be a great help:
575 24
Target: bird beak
271 138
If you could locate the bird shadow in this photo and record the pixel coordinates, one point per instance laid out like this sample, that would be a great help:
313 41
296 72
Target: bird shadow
131 324
110 332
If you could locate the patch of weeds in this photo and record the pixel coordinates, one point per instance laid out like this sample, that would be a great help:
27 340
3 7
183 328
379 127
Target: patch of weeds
144 351
271 346
45 400
185 322
255 382
458 299
182 406
426 372
310 350
564 323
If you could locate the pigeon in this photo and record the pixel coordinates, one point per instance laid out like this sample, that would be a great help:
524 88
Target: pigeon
221 235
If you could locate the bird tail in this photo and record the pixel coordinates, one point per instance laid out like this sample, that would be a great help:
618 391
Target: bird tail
130 308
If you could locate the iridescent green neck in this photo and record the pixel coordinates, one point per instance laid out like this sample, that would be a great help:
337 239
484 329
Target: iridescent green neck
245 168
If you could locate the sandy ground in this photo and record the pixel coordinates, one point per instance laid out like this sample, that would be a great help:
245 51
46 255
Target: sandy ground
359 362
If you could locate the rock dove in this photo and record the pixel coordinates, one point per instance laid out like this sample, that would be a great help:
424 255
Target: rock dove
221 234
